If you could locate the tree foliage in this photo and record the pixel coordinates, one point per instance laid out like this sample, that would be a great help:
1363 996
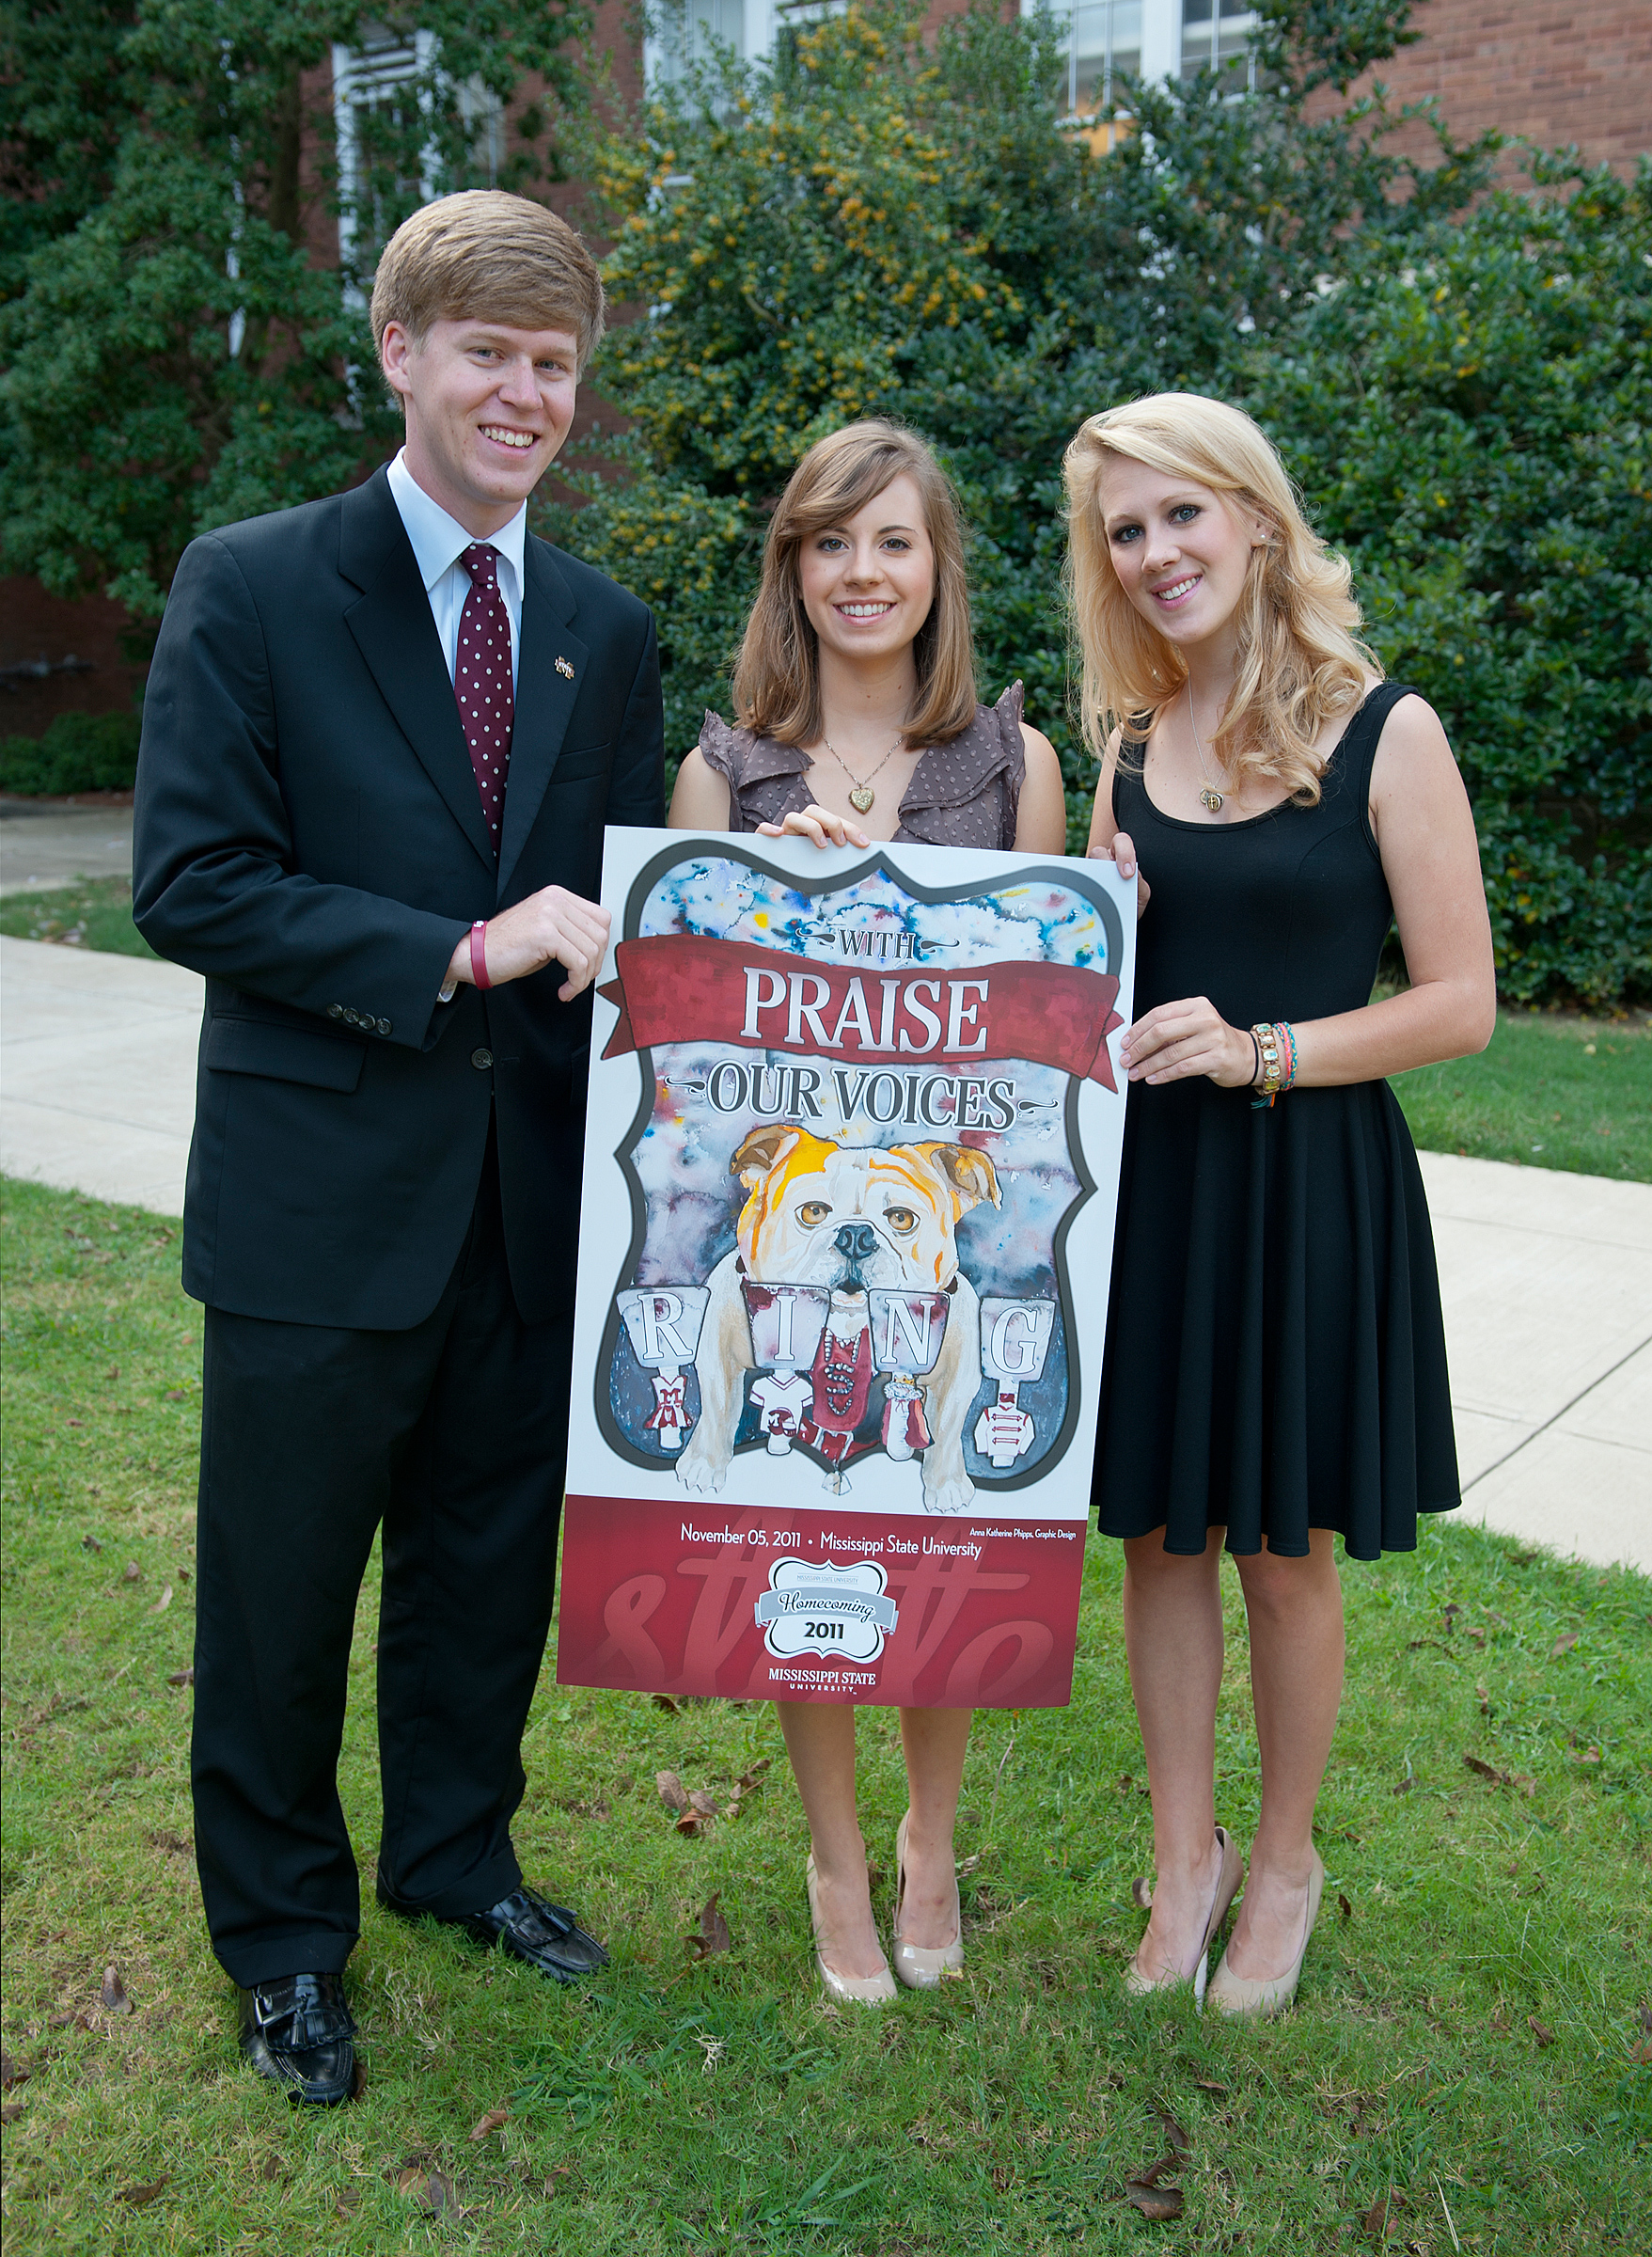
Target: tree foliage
177 354
1474 430
876 224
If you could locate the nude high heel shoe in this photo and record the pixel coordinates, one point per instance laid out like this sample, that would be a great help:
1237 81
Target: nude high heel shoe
1242 1994
918 1967
858 1990
1228 1885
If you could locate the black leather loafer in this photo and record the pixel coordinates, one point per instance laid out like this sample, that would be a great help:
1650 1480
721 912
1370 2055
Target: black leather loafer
299 2033
544 1936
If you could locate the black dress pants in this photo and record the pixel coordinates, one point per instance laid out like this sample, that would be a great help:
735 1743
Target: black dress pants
453 1435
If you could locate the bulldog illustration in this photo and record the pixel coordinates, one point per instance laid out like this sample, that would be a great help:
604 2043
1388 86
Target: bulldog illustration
860 1226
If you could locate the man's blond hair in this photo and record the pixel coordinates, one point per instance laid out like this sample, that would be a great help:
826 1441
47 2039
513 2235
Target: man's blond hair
485 255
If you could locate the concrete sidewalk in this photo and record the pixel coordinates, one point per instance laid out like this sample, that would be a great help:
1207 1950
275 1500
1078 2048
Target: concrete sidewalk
48 843
1547 1278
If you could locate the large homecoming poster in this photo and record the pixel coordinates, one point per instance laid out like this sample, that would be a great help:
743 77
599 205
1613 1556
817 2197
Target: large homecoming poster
851 1167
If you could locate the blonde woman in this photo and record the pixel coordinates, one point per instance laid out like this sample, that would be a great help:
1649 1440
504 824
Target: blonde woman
855 687
1276 1365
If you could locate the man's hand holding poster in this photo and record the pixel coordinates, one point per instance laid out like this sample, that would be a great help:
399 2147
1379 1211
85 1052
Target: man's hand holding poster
850 1166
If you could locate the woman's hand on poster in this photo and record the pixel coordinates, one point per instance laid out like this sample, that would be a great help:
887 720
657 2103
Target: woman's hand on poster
1121 851
1175 1041
818 823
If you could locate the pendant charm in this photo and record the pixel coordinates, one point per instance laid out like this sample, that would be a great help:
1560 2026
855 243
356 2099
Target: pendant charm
861 797
1212 799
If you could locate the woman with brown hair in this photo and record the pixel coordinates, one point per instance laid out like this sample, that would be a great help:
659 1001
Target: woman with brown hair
1275 1370
855 687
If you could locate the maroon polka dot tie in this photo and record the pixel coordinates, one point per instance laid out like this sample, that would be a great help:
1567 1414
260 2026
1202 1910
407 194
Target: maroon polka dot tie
482 682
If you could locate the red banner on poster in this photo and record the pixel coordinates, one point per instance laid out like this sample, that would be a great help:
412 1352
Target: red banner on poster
677 987
812 1606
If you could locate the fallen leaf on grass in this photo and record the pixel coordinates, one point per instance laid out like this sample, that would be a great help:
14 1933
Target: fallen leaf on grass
1484 1697
1540 2030
1375 2219
1156 2204
181 1677
162 1602
1141 1894
1641 2055
429 2190
1645 2014
162 1837
494 2121
140 2197
1344 1907
90 1543
273 2168
969 1865
113 1993
744 1784
713 1931
1405 1787
130 1571
1501 1778
664 1700
1204 2084
74 2019
11 2111
1175 2132
1156 2171
1564 1644
13 2073
672 1792
703 1804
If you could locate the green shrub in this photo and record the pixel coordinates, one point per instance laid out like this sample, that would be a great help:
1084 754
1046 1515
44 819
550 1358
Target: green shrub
79 752
1473 432
885 224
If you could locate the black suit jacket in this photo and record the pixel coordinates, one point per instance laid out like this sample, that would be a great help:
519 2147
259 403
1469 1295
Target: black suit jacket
309 835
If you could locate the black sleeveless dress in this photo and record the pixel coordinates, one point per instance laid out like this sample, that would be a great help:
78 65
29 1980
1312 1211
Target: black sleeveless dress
1276 1357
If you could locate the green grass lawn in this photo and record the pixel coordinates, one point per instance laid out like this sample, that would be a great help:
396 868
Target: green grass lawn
1470 2067
96 913
1550 1091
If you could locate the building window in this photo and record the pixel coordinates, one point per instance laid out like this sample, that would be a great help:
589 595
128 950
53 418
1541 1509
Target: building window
1105 39
385 79
1216 35
686 32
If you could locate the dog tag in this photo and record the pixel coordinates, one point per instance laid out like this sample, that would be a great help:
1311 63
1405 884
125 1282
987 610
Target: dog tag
861 797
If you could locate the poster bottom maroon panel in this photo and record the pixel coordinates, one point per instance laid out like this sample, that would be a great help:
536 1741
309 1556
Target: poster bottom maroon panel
977 1611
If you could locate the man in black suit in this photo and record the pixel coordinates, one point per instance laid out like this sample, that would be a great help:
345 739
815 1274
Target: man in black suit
382 736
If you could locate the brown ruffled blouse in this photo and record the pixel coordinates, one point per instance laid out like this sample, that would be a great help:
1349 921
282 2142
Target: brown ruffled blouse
962 794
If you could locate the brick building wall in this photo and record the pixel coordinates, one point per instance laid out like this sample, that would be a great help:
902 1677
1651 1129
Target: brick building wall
1581 72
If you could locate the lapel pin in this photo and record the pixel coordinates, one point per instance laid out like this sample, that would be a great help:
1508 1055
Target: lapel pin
564 668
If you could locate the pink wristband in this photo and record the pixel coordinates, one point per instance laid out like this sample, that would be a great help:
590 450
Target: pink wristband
479 953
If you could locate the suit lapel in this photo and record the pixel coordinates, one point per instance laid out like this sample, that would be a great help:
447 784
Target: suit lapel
545 698
396 635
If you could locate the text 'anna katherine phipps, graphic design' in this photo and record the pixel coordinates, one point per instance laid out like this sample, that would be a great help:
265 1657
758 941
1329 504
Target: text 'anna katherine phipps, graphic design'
853 1177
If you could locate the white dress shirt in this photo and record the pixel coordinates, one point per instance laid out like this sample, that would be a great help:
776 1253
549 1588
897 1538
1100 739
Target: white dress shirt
438 542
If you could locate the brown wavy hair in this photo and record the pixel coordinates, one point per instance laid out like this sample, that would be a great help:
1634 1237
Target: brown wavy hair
1300 659
777 670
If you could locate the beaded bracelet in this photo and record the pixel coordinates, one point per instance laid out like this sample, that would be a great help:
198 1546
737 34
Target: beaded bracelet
1275 1056
1266 1041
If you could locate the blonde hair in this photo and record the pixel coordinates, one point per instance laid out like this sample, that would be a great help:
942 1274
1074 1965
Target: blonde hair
1299 661
486 256
777 670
